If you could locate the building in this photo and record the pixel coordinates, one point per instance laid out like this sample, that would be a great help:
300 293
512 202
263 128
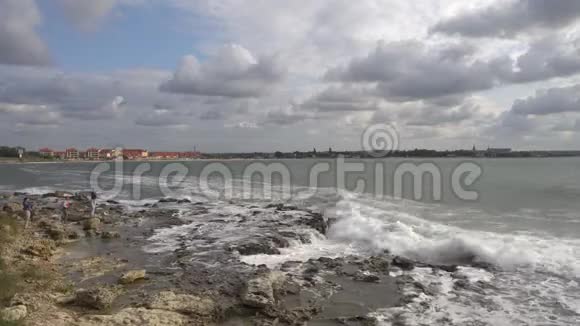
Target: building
164 155
92 154
72 154
190 155
47 152
105 154
134 154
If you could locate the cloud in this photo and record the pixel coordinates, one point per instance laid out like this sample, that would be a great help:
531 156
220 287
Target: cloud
20 44
507 18
33 115
341 98
161 118
549 101
411 70
92 110
434 116
232 72
87 14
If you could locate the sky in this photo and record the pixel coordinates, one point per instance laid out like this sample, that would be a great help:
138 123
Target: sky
267 75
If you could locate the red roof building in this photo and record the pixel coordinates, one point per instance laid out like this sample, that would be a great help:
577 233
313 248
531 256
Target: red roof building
164 155
72 154
92 154
46 152
134 154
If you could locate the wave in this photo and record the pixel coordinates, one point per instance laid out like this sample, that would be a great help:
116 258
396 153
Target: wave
378 226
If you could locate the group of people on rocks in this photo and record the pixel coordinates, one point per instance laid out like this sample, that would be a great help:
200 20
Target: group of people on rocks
27 207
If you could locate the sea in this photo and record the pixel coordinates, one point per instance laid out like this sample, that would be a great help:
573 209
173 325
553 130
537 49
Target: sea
518 241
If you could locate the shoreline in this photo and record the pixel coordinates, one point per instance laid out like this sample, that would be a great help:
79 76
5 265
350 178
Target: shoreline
94 255
468 158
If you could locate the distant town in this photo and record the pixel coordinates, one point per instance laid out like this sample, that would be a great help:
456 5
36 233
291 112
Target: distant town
104 154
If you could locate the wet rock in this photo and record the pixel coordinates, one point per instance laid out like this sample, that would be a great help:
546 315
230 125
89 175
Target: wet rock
92 224
184 304
16 313
366 276
12 207
133 276
403 263
168 200
255 247
113 202
97 298
317 222
184 201
259 291
108 235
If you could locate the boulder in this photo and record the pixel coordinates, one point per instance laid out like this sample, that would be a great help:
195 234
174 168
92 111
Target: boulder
133 276
403 263
12 207
259 292
365 276
182 303
92 224
97 298
14 314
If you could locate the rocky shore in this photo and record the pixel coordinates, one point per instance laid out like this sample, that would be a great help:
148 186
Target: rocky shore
121 268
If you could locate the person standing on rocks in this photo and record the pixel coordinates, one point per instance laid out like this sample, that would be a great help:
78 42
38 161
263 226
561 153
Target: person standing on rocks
65 207
27 207
93 203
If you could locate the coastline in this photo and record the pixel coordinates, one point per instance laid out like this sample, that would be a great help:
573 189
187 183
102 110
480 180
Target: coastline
106 277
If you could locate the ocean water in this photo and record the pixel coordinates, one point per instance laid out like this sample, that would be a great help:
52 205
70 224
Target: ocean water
525 223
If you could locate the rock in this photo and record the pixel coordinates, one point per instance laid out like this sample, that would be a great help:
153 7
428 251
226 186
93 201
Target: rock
97 298
138 316
133 276
184 201
168 200
365 276
113 202
16 313
110 235
182 303
259 291
5 229
43 249
255 247
403 263
12 207
317 222
92 224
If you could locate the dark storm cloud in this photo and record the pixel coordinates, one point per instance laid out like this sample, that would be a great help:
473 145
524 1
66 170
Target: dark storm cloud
549 101
232 72
508 18
20 44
